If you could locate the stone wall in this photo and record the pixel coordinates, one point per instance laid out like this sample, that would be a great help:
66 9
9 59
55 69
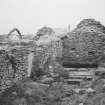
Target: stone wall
6 71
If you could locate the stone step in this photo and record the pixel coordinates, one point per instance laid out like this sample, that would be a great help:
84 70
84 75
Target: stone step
70 69
80 77
80 73
79 69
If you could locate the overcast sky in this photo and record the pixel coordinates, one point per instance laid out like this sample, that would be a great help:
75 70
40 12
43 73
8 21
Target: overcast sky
30 15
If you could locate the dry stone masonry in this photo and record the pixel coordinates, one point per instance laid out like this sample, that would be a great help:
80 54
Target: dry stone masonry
6 71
